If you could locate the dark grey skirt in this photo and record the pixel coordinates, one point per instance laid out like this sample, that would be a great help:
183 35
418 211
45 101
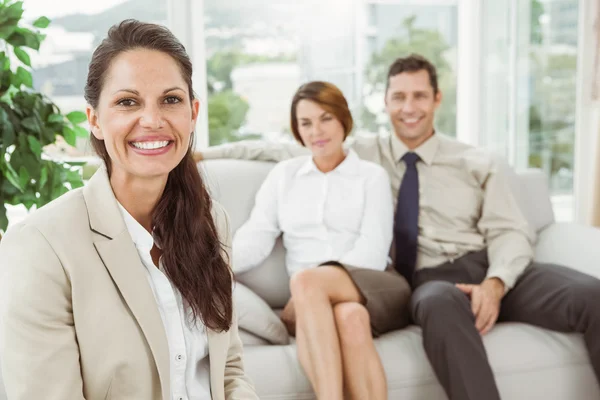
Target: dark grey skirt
385 294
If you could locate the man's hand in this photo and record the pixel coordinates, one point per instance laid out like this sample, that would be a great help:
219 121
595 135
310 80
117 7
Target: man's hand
288 316
485 302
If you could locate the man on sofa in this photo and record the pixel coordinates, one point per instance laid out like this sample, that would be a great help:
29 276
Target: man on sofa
460 239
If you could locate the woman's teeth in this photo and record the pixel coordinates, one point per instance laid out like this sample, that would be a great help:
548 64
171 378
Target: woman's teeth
150 145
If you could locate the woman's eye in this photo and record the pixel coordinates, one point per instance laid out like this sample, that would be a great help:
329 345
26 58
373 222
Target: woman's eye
126 102
173 100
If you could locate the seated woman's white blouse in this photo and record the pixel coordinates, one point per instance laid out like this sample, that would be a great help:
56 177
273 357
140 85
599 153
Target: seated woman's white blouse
188 343
344 215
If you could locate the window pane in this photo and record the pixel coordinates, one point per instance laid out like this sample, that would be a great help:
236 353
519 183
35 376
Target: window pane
60 68
529 91
396 29
255 67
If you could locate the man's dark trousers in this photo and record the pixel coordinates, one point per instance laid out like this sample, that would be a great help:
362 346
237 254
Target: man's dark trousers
546 295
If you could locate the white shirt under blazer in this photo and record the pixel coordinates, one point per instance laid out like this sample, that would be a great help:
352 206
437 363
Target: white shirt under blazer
188 344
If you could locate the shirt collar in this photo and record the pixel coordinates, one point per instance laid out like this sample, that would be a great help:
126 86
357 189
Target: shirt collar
350 165
140 236
426 151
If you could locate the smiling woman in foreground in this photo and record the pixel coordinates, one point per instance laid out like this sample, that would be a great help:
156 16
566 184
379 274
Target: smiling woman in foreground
122 289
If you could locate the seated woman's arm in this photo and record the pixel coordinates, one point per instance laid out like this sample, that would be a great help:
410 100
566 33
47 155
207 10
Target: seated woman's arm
372 246
38 345
254 241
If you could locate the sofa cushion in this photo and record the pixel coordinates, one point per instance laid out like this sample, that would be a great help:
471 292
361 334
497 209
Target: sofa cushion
256 317
234 183
530 188
528 362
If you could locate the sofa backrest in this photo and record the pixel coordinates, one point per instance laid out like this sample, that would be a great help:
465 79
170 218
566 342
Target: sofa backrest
234 183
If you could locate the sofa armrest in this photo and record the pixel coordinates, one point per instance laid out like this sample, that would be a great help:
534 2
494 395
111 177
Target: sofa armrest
572 245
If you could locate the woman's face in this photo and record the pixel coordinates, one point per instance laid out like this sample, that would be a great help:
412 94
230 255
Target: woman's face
322 133
144 115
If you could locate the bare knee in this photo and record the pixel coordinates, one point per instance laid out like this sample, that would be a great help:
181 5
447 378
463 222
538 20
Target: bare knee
353 323
321 281
304 283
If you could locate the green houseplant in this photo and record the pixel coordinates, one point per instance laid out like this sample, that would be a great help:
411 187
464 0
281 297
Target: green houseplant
29 121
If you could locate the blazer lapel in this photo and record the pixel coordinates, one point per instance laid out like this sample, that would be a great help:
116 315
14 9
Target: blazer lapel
119 255
217 349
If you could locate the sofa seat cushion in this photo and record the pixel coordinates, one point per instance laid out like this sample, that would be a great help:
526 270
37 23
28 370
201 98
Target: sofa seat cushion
529 363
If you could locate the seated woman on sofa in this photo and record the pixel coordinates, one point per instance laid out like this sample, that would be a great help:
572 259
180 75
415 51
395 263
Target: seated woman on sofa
335 212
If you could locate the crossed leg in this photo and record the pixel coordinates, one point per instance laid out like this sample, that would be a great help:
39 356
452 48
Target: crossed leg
333 332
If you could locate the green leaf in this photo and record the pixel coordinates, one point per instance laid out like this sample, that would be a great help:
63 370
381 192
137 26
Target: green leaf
25 37
35 146
7 129
6 31
81 132
59 191
76 184
23 56
70 136
32 124
41 22
56 118
25 77
43 176
4 62
24 177
15 81
76 163
76 117
14 11
3 218
12 177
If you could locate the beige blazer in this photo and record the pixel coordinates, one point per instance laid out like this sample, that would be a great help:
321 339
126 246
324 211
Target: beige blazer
78 319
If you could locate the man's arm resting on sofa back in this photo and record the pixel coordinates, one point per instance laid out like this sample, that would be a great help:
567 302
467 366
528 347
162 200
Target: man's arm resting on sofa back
253 150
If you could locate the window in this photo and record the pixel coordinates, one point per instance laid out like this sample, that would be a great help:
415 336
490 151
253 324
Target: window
60 68
254 66
529 89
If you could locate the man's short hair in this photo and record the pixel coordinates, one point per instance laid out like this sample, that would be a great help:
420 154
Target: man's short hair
413 63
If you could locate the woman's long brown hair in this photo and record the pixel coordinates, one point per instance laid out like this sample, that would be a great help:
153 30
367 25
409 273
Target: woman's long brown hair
193 256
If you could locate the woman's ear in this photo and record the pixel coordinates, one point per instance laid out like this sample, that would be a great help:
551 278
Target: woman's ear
92 117
195 110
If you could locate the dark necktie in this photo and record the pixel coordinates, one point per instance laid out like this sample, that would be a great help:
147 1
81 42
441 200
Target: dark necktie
406 224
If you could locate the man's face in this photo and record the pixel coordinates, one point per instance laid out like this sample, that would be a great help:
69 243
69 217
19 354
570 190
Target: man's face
411 104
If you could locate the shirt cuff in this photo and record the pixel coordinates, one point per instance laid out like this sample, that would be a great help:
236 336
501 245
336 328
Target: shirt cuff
214 152
503 276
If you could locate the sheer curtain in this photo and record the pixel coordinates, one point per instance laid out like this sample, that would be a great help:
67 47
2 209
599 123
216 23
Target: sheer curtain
595 126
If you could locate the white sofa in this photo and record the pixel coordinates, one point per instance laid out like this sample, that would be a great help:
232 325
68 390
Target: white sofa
529 363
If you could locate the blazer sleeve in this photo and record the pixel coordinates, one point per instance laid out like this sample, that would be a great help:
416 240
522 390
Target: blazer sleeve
40 355
237 384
